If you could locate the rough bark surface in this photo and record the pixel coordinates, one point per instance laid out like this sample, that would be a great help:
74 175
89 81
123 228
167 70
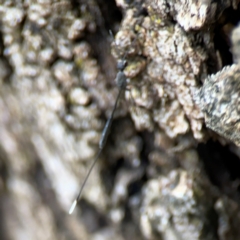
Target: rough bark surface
170 169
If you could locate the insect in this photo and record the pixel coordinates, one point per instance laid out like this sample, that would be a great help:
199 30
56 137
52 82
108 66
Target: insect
121 81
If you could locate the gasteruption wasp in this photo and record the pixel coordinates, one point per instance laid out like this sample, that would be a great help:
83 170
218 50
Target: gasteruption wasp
121 81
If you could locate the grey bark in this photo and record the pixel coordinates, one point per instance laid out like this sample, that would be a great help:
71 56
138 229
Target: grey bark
156 177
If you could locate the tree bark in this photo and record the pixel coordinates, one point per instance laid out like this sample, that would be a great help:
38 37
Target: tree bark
162 174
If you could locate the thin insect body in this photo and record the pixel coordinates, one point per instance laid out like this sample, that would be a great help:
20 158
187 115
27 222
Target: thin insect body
121 82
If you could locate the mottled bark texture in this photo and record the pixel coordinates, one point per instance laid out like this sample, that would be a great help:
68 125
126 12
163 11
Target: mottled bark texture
163 173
